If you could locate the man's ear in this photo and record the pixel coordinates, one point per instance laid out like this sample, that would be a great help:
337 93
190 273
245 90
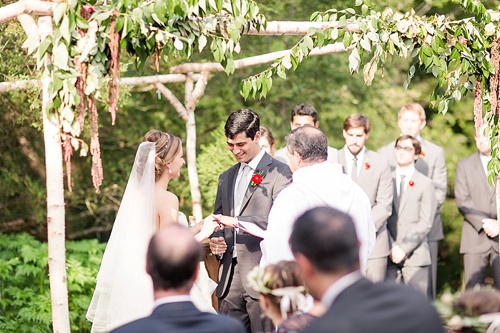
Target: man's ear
297 157
316 124
305 268
422 124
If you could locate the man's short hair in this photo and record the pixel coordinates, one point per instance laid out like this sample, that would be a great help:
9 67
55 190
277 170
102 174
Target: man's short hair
413 107
304 110
414 142
327 238
243 120
357 120
172 266
309 142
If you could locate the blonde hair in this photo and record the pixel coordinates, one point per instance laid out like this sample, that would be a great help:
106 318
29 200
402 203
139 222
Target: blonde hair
167 147
413 107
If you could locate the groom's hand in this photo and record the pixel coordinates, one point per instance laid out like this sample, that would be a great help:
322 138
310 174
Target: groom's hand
218 245
226 221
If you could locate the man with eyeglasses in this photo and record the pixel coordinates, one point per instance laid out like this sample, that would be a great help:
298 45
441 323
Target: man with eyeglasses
431 162
413 210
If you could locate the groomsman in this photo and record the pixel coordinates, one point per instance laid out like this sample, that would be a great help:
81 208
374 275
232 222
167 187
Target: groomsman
431 162
413 211
245 192
371 171
476 200
304 114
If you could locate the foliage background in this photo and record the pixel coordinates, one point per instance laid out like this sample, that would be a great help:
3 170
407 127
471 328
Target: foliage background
323 81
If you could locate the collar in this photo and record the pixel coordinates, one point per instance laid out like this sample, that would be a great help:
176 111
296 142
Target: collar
408 172
255 161
349 156
338 287
171 299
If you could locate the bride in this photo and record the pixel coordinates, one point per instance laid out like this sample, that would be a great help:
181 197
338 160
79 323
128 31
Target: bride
124 291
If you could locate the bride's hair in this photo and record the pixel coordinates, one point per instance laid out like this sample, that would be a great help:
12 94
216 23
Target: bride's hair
167 147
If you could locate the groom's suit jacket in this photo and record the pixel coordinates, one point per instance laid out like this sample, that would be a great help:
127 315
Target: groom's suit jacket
255 208
182 317
412 219
375 179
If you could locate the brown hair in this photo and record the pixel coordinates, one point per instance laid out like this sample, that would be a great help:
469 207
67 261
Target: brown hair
415 143
357 120
281 275
413 107
167 147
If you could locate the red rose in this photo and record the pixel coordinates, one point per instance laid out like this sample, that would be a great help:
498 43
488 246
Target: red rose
422 154
256 179
411 183
367 166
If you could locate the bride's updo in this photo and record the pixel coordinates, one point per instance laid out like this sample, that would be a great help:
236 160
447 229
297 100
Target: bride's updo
167 147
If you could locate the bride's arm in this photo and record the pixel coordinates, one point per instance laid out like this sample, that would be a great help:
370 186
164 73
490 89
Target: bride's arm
205 228
167 209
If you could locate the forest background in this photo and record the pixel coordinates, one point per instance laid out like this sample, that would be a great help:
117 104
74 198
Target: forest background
323 81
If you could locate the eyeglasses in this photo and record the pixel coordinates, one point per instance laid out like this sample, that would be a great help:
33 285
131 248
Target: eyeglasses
407 149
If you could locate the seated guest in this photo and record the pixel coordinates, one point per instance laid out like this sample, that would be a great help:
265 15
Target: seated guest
283 296
172 262
325 246
266 140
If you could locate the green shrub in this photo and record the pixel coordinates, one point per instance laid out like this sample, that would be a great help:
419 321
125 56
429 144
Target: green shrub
24 284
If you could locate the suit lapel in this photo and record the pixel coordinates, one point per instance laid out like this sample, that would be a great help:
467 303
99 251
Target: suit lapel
410 189
231 183
365 167
478 170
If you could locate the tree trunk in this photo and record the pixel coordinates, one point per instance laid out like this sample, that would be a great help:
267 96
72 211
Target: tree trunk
55 205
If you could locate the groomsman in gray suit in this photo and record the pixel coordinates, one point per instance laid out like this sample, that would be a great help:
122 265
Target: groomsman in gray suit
476 200
304 114
413 211
371 171
246 192
431 163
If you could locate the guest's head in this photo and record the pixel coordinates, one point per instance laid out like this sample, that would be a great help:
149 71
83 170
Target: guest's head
306 145
266 141
169 155
281 290
304 114
356 130
173 260
407 150
482 143
243 135
326 247
411 119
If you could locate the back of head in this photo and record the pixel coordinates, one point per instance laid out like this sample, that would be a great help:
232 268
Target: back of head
357 120
415 143
172 259
309 142
327 238
413 107
167 146
242 121
478 302
304 109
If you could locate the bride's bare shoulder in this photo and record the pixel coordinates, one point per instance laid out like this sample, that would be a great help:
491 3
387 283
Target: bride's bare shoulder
162 196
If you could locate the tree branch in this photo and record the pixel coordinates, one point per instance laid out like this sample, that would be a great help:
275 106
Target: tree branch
33 7
198 90
298 28
181 110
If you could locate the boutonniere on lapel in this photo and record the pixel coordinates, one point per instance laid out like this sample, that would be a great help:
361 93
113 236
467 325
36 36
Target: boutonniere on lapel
257 178
411 183
367 166
422 154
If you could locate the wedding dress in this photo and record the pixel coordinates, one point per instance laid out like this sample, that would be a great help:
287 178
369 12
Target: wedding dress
124 291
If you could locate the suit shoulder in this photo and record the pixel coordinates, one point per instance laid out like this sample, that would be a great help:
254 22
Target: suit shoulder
379 157
432 146
387 149
225 172
468 159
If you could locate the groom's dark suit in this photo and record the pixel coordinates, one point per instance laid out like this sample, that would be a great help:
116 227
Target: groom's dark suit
255 208
182 317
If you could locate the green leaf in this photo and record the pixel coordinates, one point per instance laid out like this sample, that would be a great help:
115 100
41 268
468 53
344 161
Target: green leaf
59 11
286 62
365 43
64 29
347 39
354 61
44 46
308 42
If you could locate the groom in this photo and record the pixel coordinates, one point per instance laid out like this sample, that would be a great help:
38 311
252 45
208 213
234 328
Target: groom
245 192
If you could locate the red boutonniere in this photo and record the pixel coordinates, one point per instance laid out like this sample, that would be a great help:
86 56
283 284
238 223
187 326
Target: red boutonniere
257 178
411 183
367 166
422 154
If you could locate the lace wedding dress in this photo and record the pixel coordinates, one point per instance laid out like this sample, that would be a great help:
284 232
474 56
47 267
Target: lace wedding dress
124 291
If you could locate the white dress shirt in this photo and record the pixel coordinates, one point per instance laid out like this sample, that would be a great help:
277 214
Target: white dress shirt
408 172
316 185
349 159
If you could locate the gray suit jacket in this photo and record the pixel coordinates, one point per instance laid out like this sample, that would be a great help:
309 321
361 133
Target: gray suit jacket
255 208
475 200
432 164
410 223
376 180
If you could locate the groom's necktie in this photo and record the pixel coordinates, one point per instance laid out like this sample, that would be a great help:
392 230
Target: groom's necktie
354 169
241 189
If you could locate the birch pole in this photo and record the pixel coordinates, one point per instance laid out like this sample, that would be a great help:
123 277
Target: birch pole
55 203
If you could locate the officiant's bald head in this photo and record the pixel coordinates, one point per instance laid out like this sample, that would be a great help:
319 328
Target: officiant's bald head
173 258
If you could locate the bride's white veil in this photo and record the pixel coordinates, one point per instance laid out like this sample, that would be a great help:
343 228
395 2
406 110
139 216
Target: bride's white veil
124 290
